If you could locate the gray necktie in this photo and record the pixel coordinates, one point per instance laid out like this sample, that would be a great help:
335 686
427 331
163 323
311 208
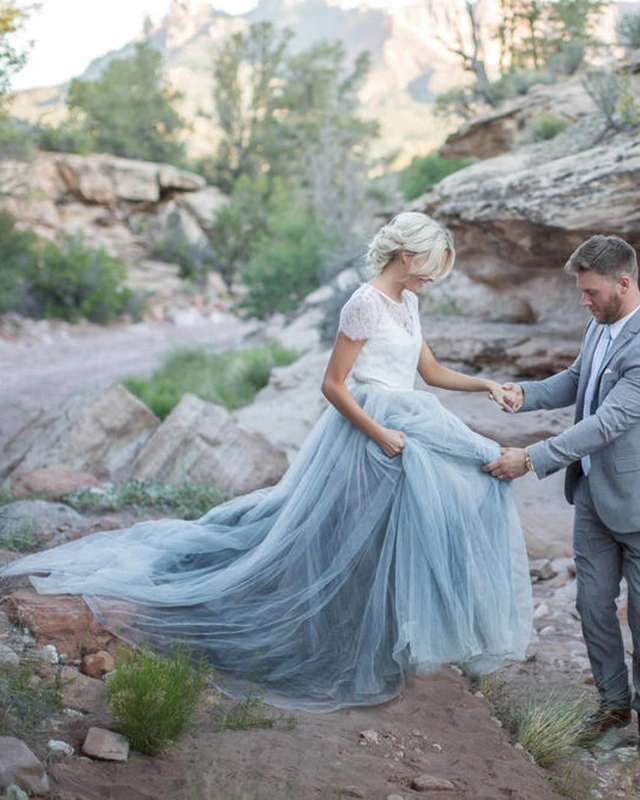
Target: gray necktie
598 357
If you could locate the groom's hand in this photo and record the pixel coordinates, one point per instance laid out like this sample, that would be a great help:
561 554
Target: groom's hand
510 465
513 396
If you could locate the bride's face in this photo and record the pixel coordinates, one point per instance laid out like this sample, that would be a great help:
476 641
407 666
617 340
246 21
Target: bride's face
416 277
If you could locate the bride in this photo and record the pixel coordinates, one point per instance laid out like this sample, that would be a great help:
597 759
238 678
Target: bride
384 551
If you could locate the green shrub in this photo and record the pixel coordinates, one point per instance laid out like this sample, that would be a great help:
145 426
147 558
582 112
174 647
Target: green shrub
194 262
69 280
75 281
26 701
285 267
230 378
425 171
153 697
629 31
546 126
17 250
70 136
186 501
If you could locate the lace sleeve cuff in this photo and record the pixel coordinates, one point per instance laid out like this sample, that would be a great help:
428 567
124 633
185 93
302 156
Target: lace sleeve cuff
359 316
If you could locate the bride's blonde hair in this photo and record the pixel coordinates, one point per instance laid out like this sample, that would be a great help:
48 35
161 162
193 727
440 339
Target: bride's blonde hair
418 234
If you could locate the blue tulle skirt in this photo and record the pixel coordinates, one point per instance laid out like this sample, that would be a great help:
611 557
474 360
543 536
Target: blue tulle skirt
333 586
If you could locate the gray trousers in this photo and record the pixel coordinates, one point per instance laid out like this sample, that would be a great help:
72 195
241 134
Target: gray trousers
603 558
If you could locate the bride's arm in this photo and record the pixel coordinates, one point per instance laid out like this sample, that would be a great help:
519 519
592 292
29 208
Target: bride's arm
345 352
436 375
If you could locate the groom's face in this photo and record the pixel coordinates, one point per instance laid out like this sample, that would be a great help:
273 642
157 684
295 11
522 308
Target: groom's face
601 295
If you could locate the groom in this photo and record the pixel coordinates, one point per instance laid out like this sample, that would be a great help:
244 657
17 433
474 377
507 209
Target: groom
601 452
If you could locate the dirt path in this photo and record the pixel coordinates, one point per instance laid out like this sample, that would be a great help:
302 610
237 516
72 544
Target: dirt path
58 361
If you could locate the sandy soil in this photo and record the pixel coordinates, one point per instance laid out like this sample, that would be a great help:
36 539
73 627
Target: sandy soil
437 727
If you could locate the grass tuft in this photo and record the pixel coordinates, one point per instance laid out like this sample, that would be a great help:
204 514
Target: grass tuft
26 700
186 501
231 378
153 697
546 728
252 712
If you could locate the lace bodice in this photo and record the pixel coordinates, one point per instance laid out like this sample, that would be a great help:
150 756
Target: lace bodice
392 330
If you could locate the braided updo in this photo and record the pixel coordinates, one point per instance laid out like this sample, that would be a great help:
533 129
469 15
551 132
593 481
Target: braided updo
416 233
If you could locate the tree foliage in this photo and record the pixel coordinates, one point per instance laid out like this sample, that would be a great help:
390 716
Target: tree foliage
539 40
293 154
129 111
11 59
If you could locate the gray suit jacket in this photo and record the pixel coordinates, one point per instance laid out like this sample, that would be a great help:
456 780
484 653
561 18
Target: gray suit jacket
611 436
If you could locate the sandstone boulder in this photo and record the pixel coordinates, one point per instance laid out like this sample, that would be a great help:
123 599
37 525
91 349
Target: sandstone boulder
105 179
500 130
200 441
51 481
63 620
37 517
517 218
19 766
289 406
100 434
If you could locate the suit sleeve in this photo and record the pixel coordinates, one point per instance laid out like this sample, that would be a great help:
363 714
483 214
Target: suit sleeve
618 412
558 391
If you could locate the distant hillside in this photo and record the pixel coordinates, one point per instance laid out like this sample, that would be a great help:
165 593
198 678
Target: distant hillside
410 63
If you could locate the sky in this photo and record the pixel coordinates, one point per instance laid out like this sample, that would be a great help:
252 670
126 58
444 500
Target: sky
68 34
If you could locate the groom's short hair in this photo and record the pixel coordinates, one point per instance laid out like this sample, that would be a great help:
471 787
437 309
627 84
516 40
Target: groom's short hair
609 256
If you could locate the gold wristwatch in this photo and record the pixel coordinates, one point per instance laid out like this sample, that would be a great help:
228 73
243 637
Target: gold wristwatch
527 460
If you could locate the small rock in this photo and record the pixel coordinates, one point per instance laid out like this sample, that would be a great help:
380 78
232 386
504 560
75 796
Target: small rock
8 656
394 797
59 747
18 765
95 665
427 783
81 692
16 793
541 611
369 737
105 745
541 569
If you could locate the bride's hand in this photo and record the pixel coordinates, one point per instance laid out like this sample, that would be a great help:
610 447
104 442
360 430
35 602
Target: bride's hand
505 396
391 442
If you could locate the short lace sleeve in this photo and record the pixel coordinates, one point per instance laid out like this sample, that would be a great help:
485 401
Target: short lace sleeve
359 315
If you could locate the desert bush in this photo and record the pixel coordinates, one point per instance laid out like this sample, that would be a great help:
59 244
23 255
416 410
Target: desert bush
230 378
73 281
629 31
285 267
185 501
194 261
69 280
153 697
425 171
547 126
71 136
25 703
613 96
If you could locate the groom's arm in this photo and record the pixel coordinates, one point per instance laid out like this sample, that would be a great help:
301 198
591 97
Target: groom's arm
558 391
618 412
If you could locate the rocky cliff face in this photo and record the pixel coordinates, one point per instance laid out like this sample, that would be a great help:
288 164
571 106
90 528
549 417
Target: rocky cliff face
518 214
116 203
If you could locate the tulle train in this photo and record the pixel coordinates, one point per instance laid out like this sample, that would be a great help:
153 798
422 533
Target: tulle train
332 587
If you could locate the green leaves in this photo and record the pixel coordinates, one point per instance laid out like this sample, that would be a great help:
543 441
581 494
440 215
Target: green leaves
129 110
